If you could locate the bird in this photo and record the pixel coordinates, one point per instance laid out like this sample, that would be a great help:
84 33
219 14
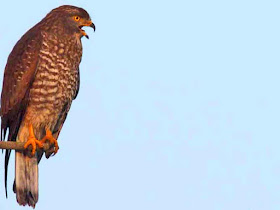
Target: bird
41 79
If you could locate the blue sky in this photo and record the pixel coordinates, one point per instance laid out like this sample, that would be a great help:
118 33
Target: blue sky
178 107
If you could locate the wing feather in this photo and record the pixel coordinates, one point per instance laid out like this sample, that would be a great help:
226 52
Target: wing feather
19 74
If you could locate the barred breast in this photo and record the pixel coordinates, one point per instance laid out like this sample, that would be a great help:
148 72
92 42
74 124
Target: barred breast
56 80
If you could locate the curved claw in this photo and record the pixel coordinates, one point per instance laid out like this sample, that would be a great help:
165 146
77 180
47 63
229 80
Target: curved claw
49 137
32 141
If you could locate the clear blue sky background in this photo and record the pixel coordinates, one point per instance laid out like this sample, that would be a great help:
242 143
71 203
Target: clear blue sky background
178 107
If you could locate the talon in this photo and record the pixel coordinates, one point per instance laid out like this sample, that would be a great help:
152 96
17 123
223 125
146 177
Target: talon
49 137
32 141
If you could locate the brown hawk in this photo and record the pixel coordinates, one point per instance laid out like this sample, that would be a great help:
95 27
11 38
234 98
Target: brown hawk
40 81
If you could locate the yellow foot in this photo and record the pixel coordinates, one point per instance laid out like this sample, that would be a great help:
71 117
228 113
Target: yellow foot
32 141
49 137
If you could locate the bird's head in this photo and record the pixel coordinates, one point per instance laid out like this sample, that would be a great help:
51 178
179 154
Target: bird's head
73 18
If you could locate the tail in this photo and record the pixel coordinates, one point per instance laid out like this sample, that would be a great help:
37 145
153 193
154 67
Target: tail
26 174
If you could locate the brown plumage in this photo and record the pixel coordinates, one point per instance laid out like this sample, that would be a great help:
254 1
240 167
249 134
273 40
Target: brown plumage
40 81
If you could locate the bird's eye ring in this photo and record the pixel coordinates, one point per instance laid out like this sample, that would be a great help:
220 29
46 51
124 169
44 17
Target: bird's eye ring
77 18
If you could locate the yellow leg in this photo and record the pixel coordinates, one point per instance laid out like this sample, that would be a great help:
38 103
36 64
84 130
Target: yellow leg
32 141
49 137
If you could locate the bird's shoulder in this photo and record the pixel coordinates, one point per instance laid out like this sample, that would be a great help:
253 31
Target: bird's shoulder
20 69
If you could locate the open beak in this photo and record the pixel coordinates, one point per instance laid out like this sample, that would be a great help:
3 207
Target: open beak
90 24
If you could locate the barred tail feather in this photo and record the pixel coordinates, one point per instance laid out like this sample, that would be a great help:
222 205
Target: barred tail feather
26 175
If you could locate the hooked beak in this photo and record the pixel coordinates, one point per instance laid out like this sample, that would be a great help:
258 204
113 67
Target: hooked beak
90 24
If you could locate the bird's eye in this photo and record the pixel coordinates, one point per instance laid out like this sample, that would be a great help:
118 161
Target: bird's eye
77 18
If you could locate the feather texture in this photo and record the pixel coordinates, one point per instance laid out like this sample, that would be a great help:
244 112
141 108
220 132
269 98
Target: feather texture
40 81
